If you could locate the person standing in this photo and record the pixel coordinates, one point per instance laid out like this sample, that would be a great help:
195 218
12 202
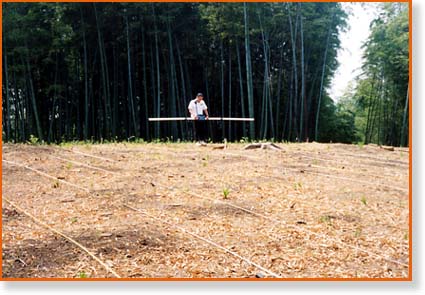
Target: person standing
199 112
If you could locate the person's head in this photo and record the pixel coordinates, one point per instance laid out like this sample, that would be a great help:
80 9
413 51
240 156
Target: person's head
199 97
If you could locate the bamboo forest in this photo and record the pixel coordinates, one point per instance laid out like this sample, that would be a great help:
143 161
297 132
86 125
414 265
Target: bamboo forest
97 71
165 141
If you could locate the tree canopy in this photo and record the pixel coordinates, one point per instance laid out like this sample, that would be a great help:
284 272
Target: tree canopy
380 99
98 71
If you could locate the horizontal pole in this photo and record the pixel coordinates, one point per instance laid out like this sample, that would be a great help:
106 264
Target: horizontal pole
191 119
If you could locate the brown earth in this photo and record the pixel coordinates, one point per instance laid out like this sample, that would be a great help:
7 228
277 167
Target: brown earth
160 211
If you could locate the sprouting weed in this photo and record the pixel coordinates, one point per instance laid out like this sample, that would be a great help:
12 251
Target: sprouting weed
226 193
325 219
358 232
298 185
55 184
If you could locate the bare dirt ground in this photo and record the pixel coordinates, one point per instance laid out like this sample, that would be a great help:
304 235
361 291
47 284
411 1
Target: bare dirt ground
181 211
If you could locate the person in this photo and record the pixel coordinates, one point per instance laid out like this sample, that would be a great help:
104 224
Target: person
199 112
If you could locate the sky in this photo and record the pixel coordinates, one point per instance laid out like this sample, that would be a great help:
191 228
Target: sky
350 53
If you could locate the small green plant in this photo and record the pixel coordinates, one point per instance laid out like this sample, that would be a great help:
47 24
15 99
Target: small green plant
298 185
82 274
68 165
244 140
226 193
55 184
358 232
406 236
74 219
33 139
360 144
363 200
325 219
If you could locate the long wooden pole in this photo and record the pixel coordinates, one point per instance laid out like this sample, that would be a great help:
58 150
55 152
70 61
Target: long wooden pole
191 119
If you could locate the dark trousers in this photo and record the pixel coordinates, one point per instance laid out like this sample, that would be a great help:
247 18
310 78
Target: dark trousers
201 131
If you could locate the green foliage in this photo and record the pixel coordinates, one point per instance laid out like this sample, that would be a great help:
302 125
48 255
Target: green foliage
298 185
363 200
99 71
226 192
358 232
33 140
381 92
325 219
82 275
56 184
337 123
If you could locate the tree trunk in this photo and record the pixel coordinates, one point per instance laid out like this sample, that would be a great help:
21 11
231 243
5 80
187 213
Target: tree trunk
172 97
241 89
158 74
130 84
222 86
294 103
7 119
52 119
279 89
86 94
105 76
230 94
316 129
33 99
404 125
301 138
183 86
249 74
145 86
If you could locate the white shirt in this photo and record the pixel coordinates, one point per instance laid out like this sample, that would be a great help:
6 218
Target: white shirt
197 108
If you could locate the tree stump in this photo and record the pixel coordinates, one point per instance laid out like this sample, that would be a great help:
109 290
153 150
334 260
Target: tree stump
263 146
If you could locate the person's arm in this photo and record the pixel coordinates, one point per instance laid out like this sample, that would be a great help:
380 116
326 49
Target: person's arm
205 110
192 112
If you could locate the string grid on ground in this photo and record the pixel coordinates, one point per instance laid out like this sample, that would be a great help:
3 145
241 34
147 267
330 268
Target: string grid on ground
381 257
180 228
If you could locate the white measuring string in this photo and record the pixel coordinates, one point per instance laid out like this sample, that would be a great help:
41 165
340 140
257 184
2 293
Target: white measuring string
89 155
151 216
36 220
46 175
81 164
299 228
328 175
277 221
206 241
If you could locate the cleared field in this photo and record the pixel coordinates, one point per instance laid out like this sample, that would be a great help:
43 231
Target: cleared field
182 211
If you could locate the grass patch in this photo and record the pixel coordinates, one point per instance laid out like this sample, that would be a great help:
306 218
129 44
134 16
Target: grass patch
358 232
82 275
226 193
325 219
